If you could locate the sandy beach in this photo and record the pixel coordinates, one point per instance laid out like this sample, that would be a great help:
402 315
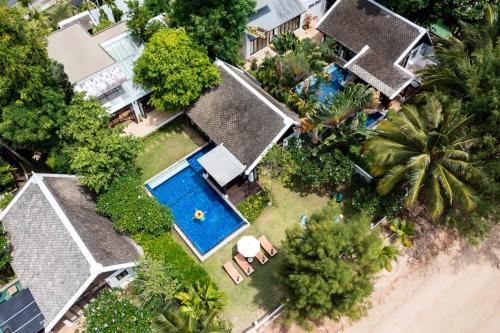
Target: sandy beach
456 289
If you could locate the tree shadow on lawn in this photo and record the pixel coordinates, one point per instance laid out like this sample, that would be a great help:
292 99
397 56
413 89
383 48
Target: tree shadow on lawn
266 280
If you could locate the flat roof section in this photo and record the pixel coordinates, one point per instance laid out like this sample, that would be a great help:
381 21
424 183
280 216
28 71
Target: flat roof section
79 52
221 165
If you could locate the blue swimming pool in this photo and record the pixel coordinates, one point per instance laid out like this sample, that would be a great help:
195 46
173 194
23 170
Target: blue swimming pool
372 118
186 191
324 91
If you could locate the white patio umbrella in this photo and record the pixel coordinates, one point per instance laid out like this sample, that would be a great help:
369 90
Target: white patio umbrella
248 246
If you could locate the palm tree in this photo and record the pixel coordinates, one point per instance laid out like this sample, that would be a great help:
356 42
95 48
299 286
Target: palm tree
171 321
404 230
386 256
201 300
459 59
353 98
425 147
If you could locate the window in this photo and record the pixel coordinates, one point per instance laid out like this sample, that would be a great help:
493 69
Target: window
111 95
123 274
317 2
310 6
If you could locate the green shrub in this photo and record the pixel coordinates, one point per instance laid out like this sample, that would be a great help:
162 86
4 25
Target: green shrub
132 210
5 200
318 170
111 312
253 206
367 199
179 263
154 285
4 250
6 175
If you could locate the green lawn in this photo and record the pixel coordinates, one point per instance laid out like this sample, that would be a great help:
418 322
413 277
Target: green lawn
167 146
261 291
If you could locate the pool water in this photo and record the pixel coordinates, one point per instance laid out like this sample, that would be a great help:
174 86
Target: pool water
187 191
372 118
324 91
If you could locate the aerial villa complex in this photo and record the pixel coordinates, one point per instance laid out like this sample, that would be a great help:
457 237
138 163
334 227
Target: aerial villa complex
64 253
242 122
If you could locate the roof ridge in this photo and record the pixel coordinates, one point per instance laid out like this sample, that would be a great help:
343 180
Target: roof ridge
229 68
94 265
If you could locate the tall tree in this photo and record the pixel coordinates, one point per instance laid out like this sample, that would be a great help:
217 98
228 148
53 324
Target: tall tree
328 266
89 148
28 83
425 147
218 24
175 68
450 12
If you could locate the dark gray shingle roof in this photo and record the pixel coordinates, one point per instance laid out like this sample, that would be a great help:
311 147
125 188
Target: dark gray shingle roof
104 243
45 258
357 23
270 14
51 224
233 115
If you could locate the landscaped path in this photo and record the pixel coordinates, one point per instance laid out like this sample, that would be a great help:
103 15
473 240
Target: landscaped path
456 291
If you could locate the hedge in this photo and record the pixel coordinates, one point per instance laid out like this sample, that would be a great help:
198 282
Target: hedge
253 206
132 211
164 248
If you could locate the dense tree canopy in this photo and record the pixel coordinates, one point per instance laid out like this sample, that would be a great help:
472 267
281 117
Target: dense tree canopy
328 266
218 24
450 12
32 88
175 68
87 147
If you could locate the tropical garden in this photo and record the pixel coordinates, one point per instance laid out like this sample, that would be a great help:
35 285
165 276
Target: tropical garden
440 151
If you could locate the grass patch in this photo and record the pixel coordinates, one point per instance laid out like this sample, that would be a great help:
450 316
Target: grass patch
262 291
182 266
167 146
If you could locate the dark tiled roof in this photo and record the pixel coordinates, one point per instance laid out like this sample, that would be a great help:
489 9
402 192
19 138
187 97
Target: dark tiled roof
378 72
45 258
357 23
233 115
104 243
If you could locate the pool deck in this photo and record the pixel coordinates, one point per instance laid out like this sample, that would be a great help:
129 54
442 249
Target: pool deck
167 173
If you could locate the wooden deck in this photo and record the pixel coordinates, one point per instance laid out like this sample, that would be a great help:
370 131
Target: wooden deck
242 190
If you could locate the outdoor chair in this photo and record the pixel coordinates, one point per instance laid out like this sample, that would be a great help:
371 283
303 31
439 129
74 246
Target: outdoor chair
233 273
266 245
261 257
243 263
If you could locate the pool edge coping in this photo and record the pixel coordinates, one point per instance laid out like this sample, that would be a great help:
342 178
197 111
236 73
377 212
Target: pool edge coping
226 240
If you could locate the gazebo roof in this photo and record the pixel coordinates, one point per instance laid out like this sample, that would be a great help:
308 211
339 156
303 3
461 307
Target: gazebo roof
221 165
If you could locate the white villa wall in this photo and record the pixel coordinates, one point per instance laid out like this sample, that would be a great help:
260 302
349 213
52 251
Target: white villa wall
315 7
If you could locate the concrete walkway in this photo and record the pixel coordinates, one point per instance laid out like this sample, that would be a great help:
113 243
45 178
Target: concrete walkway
154 121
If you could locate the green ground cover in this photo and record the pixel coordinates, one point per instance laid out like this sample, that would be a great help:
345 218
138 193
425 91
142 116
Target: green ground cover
167 146
261 291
